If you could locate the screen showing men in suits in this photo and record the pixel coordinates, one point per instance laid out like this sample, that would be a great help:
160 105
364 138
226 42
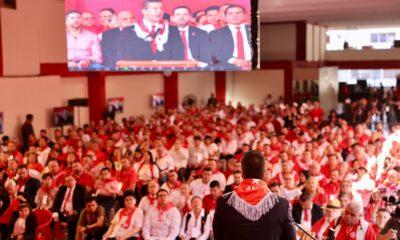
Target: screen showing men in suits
154 35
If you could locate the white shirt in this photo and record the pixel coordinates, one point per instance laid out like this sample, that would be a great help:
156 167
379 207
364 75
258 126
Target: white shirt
180 157
290 194
136 221
220 177
67 202
194 227
160 225
229 147
197 154
145 205
198 188
306 224
165 163
174 193
246 42
186 29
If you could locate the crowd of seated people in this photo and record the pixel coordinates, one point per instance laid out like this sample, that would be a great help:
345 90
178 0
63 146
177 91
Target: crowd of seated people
218 36
159 177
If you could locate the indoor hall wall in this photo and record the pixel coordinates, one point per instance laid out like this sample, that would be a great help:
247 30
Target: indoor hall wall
32 34
199 84
137 91
76 87
253 87
278 42
36 95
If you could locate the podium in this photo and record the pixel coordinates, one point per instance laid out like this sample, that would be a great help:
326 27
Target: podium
156 65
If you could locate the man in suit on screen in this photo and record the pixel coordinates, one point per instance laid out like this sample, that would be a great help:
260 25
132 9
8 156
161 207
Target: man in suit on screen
151 38
195 41
252 211
111 38
232 43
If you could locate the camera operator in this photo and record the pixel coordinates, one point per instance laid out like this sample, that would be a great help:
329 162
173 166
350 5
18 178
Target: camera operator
391 230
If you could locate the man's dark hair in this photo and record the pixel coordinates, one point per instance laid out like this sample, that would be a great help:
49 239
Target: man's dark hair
108 10
235 6
214 184
46 175
253 165
211 8
129 193
196 138
29 116
274 184
22 166
237 172
162 190
146 3
5 138
90 199
305 197
182 6
105 169
207 169
67 14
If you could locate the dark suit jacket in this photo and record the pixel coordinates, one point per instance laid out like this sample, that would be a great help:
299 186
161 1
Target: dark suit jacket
134 48
199 45
223 45
276 224
316 213
30 190
110 41
30 226
78 199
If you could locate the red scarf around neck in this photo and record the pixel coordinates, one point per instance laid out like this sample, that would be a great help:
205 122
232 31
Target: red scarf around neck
151 199
22 182
163 210
252 190
174 186
128 214
48 189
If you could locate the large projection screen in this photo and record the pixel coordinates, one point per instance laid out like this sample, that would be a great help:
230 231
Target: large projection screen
162 35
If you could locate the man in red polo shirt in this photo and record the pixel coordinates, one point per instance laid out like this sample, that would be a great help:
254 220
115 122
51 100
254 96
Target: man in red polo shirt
127 176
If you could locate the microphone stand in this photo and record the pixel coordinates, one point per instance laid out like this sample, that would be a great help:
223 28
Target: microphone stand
303 230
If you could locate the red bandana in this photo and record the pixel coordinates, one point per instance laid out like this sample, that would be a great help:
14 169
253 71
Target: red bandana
22 182
128 214
252 190
47 189
174 186
163 210
151 199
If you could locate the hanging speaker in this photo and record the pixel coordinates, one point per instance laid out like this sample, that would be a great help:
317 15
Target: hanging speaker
78 102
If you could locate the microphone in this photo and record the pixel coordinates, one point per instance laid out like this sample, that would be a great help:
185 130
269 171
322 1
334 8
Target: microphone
303 230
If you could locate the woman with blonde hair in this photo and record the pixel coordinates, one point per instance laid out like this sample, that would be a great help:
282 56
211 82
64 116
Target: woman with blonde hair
318 194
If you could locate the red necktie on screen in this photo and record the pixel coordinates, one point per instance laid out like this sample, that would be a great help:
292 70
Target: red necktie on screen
240 45
306 215
153 39
185 44
67 199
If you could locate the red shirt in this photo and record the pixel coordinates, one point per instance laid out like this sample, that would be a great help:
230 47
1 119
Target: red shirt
317 114
209 203
332 188
350 232
128 178
85 180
